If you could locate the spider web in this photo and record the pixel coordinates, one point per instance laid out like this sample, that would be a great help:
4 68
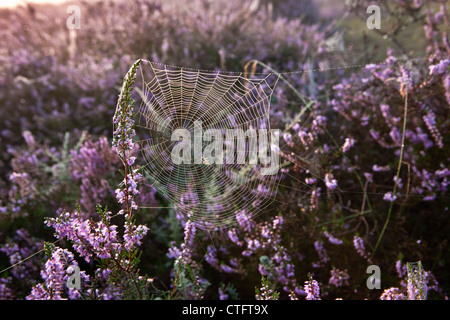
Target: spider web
170 98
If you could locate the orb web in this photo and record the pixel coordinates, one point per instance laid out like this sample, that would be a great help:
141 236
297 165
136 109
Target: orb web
171 98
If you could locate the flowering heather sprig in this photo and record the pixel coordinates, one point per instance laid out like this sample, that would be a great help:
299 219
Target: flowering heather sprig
189 238
312 289
401 269
330 182
133 235
5 292
123 137
430 121
440 67
339 278
389 196
123 118
266 292
446 83
322 252
332 239
293 295
19 247
223 295
358 243
90 239
186 270
392 293
349 142
127 194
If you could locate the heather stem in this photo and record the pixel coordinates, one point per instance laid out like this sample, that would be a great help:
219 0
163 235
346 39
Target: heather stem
398 172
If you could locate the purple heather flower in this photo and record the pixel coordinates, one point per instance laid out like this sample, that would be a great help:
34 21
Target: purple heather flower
287 137
368 176
55 276
133 235
339 278
244 220
358 243
322 252
430 121
349 142
377 168
131 160
389 196
399 182
392 293
232 235
89 238
330 182
333 239
226 268
439 68
222 294
401 269
211 256
310 180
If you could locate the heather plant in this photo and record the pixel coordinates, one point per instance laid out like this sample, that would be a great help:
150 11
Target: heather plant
363 147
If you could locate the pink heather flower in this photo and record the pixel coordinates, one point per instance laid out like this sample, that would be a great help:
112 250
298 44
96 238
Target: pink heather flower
332 239
287 137
358 243
211 256
131 160
312 290
55 277
310 180
120 196
399 182
184 253
320 121
222 294
401 269
133 235
377 168
368 176
430 121
349 142
392 293
232 235
439 68
330 182
89 238
244 220
389 196
226 268
339 278
29 139
322 252
292 295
